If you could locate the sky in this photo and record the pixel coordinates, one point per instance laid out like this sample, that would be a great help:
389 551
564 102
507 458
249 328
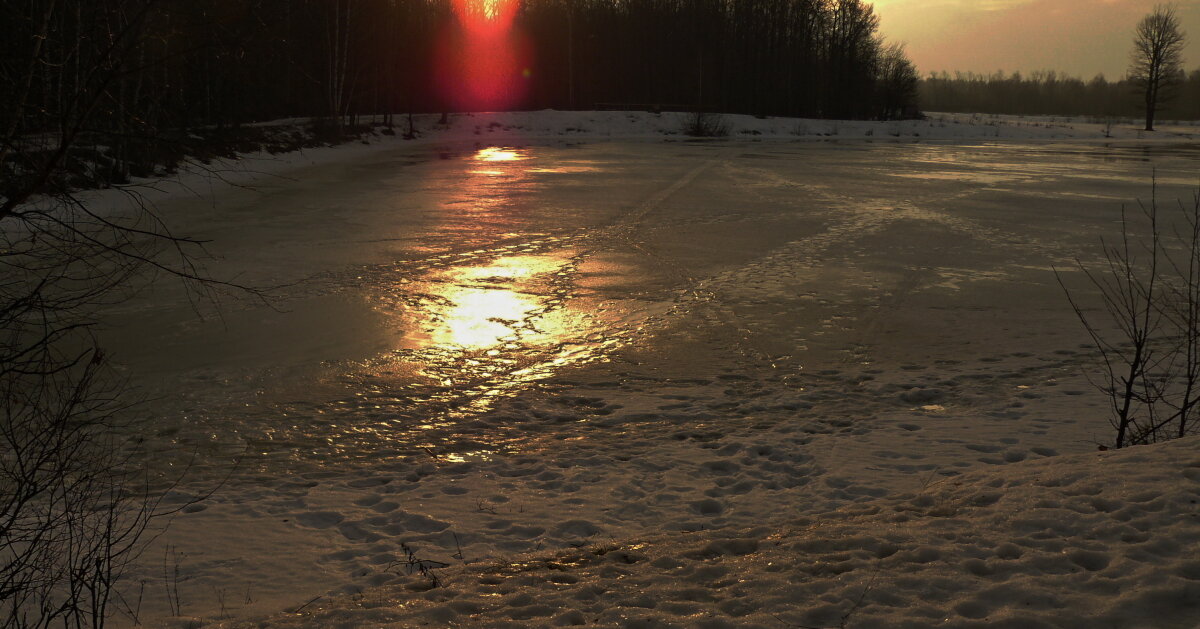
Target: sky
1077 37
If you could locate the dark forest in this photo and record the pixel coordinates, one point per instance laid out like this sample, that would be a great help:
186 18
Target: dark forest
118 73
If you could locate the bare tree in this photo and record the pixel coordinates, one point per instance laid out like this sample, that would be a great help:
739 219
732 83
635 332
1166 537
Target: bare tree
1156 64
337 36
1147 331
897 79
1128 284
74 504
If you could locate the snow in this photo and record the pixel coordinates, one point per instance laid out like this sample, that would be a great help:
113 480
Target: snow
1091 540
622 378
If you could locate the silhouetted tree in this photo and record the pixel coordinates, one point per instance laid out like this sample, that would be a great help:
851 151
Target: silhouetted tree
85 90
897 81
1146 327
1156 64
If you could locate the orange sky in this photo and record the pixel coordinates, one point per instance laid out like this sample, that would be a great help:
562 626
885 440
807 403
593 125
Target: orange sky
1079 37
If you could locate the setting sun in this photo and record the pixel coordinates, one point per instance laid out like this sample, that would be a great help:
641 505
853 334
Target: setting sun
495 16
483 60
490 8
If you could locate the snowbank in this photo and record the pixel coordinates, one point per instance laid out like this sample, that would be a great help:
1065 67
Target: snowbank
1093 540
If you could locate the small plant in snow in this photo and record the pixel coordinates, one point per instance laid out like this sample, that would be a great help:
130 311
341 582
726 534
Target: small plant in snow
1148 329
412 564
705 125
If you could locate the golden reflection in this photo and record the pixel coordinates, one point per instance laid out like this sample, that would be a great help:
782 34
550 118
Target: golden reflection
463 457
513 267
496 161
498 308
505 301
482 318
498 154
480 195
487 327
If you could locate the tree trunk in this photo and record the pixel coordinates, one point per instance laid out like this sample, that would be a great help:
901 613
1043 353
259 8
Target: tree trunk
1150 106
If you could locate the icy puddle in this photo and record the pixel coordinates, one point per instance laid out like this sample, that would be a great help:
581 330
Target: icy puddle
484 351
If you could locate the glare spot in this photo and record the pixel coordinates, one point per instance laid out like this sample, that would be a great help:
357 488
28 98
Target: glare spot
497 154
491 8
482 318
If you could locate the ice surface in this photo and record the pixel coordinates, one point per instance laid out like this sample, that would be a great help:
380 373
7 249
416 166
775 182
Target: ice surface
645 382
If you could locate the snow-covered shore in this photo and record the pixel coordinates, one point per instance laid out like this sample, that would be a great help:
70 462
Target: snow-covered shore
518 128
834 361
1093 540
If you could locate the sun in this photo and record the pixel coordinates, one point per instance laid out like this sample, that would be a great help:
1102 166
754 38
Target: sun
484 59
490 8
486 15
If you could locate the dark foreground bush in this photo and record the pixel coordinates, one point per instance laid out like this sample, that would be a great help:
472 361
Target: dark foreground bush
705 125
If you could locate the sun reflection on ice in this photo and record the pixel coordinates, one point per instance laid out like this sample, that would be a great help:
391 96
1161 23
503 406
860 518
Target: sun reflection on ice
484 330
493 300
478 332
491 309
498 154
490 305
500 162
509 301
482 318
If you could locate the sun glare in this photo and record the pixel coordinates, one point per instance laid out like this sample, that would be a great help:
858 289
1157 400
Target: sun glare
486 15
497 154
484 61
490 9
508 300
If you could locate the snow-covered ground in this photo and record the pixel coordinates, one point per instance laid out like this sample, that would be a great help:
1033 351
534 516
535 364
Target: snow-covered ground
585 371
1093 540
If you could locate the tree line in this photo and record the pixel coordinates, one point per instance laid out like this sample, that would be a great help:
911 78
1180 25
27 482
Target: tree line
1049 93
1155 84
152 68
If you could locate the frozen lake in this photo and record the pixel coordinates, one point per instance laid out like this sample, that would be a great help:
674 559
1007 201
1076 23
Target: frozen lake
418 287
482 350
